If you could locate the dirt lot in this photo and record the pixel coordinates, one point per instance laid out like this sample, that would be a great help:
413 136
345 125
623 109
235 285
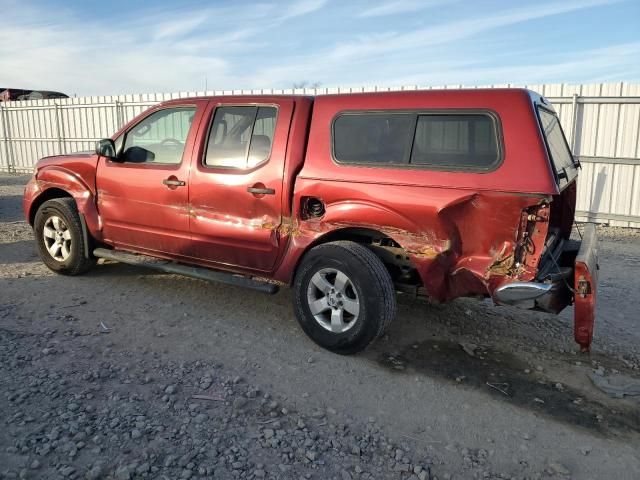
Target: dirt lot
124 373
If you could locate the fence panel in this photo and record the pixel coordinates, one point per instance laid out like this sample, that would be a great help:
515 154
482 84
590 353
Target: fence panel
601 121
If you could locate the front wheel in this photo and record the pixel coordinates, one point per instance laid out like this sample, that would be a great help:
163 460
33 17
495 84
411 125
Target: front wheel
59 236
343 296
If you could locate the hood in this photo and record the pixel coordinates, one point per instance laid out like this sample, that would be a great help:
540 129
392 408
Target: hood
65 159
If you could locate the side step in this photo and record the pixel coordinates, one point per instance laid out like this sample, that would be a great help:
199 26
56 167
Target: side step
188 271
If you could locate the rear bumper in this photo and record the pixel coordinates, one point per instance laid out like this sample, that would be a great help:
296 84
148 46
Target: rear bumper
549 297
575 281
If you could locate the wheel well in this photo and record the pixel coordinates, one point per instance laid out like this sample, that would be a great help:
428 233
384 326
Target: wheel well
394 257
48 194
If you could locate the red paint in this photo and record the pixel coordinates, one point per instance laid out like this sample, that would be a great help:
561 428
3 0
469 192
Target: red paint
586 280
230 225
466 233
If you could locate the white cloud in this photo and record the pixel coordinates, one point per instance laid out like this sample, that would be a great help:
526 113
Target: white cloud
179 27
616 62
458 29
302 7
410 49
253 45
89 58
401 6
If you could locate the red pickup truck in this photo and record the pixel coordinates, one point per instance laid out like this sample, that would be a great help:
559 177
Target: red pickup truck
346 198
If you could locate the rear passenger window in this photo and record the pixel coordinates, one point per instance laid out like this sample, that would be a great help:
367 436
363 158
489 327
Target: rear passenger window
373 138
459 141
240 137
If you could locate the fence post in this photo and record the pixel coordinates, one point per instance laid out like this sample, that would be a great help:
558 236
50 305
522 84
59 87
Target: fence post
574 123
119 114
59 129
6 138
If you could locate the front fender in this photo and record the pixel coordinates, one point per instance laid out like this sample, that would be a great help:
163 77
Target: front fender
59 178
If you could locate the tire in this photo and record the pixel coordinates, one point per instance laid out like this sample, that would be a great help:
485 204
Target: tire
349 322
59 237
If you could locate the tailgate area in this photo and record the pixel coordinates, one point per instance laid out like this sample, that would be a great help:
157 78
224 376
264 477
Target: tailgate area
572 270
585 286
568 274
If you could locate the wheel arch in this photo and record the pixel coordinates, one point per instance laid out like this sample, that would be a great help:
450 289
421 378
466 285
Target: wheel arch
393 255
46 195
59 182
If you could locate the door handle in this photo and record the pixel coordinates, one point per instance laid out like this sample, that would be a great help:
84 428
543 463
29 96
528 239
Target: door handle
261 191
170 182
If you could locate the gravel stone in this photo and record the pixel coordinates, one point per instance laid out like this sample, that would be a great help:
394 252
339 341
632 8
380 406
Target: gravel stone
171 389
76 403
557 467
201 418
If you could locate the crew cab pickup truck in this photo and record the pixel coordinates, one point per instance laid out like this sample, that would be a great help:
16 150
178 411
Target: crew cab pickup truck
348 199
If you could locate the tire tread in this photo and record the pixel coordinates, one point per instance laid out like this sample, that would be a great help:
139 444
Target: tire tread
380 277
68 207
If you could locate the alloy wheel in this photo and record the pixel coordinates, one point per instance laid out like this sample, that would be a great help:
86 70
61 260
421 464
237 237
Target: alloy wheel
57 238
333 300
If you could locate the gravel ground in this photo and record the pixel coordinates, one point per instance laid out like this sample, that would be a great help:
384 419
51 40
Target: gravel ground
125 373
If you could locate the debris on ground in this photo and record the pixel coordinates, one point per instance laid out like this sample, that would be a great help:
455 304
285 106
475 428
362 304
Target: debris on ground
616 386
469 348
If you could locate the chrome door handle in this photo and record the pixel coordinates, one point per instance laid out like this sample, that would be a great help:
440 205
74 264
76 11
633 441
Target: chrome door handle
261 191
174 183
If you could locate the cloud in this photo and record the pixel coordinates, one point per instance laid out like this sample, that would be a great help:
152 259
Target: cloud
303 7
179 27
459 29
164 50
401 6
261 44
87 57
400 51
615 62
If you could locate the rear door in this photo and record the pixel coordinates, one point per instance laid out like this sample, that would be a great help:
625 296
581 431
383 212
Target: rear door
143 196
236 184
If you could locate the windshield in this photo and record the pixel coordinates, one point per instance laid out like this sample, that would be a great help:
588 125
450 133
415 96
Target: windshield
558 149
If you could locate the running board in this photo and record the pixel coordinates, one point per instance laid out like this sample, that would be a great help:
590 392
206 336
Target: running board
188 271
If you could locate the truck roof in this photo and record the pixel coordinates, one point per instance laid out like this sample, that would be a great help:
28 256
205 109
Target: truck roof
457 97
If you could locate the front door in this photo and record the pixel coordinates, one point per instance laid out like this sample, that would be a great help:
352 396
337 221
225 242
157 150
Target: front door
143 195
236 185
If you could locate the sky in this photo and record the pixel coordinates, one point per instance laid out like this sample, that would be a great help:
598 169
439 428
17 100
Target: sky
128 46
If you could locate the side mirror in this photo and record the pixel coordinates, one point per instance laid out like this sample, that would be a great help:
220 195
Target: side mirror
106 148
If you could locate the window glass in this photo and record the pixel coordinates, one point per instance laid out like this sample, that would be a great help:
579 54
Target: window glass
455 141
437 140
160 137
383 138
560 154
240 137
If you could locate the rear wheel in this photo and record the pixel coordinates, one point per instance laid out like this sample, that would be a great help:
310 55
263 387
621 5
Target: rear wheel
59 237
343 296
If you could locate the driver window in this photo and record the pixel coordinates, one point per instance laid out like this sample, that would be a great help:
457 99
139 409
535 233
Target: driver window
159 138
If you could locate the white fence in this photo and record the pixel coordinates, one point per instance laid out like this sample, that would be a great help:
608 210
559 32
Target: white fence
602 123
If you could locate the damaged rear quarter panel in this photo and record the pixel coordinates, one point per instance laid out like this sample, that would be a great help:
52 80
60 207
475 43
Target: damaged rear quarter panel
460 228
461 242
